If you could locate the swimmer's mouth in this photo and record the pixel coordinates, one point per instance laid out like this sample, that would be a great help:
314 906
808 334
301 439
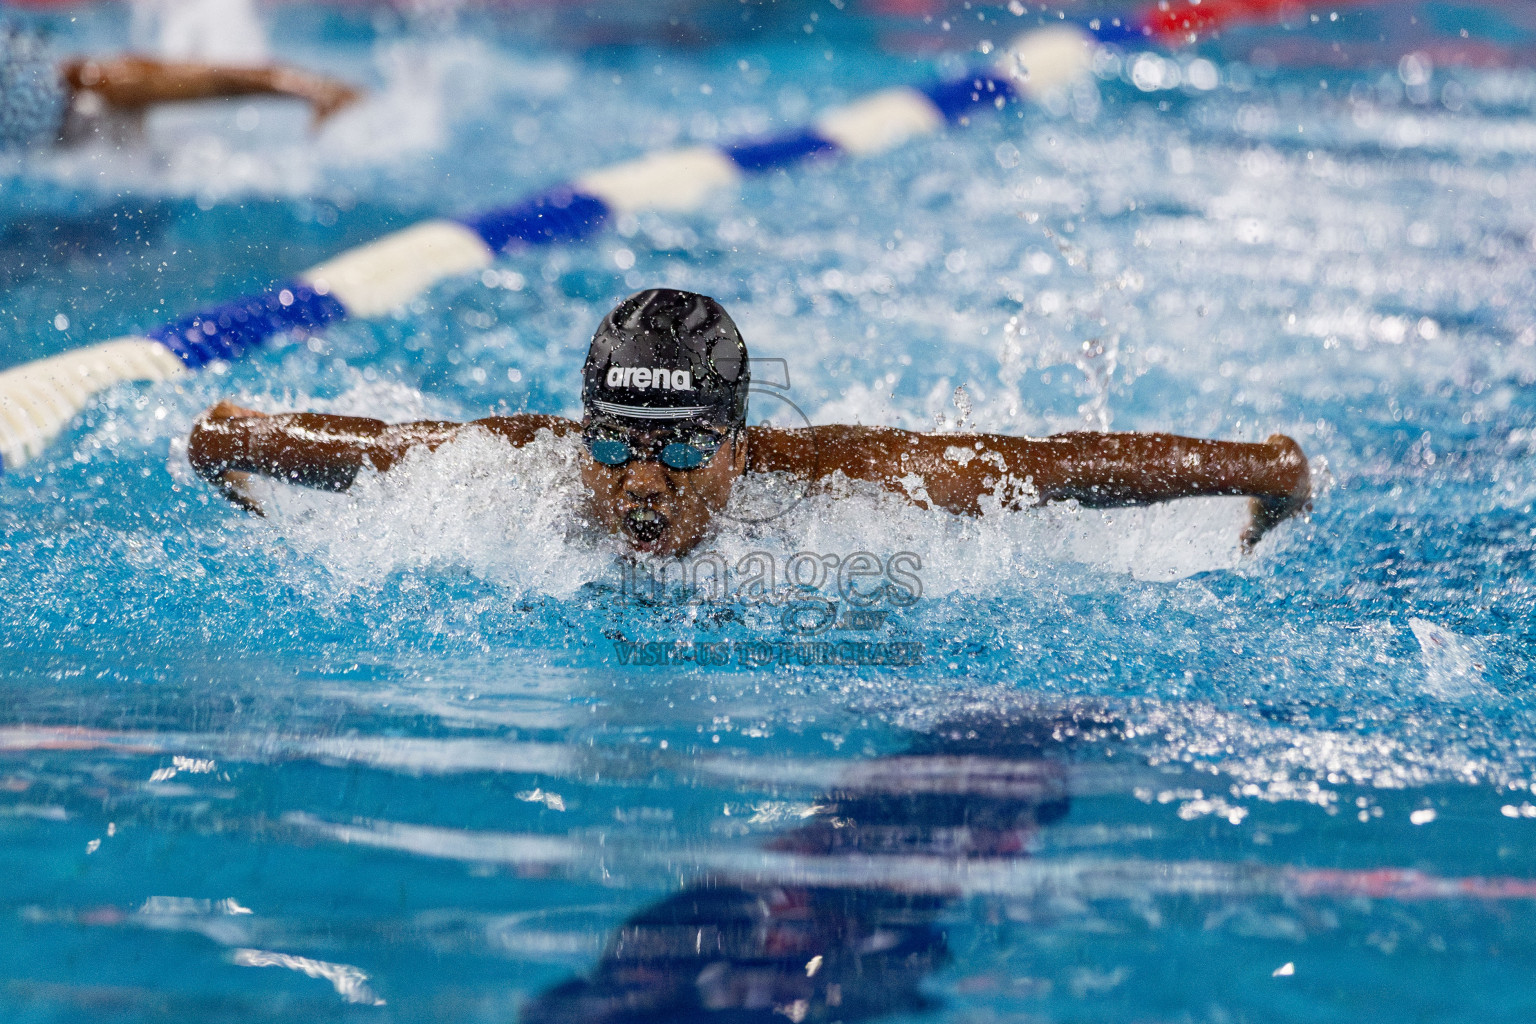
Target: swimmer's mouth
645 525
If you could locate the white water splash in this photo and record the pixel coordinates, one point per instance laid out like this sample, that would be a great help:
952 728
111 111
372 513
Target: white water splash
508 515
516 517
1453 664
209 31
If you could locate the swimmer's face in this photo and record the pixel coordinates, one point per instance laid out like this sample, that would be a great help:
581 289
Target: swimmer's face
657 509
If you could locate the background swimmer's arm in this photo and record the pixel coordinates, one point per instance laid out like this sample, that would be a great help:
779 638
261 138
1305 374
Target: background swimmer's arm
955 471
133 83
324 451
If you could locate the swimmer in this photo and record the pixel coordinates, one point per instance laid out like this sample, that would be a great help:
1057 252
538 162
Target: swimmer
664 438
43 102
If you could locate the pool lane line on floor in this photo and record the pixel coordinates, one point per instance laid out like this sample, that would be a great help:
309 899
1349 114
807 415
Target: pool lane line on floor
1084 876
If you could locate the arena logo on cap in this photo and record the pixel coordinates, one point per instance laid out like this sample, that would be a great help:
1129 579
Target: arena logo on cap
657 378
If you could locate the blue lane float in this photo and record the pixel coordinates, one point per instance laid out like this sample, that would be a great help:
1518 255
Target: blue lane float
229 331
40 399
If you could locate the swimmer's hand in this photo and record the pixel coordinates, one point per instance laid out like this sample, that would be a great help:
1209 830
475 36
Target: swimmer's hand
233 484
236 487
1292 478
227 410
328 98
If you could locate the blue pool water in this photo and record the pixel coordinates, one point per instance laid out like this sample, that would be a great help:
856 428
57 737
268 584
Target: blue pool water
393 755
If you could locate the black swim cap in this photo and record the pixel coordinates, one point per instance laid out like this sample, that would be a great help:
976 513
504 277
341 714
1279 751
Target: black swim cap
667 355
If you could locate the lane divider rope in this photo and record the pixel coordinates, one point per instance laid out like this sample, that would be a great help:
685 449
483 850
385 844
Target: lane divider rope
39 399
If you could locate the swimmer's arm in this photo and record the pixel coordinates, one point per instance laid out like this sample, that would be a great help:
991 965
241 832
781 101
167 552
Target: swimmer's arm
1102 470
955 471
324 451
133 83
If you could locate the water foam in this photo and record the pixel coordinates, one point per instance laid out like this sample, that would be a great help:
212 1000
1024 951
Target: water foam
209 31
511 516
517 517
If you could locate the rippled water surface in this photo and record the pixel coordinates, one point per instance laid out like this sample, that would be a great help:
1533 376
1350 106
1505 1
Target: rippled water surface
396 754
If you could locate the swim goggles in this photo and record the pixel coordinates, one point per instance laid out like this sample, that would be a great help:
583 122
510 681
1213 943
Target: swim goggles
679 448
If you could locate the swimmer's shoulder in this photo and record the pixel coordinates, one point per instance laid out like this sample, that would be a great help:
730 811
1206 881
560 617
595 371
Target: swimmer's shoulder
819 450
865 452
521 428
780 450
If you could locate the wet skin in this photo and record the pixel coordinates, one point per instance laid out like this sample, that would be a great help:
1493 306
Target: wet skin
133 83
668 512
660 510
